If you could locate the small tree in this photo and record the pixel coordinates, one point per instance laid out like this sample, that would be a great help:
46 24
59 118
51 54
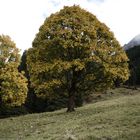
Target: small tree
72 53
23 65
13 85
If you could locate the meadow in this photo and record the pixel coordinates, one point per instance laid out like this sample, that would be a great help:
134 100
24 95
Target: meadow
115 117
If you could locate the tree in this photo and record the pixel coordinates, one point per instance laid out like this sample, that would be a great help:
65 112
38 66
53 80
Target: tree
73 53
134 65
23 65
8 51
13 85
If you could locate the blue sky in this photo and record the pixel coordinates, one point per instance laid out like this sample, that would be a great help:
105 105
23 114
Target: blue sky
21 19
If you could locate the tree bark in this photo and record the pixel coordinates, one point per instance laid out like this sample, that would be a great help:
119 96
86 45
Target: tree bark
71 102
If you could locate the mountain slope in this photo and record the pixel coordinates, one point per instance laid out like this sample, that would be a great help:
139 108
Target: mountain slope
117 118
134 42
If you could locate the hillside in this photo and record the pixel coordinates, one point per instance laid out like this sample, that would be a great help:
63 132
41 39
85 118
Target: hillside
115 118
134 42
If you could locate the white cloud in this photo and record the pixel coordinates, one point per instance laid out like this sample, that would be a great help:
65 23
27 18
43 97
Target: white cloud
21 19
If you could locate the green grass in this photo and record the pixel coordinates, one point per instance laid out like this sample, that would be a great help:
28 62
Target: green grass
114 118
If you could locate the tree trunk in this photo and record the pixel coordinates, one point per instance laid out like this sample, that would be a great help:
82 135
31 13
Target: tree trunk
71 103
71 91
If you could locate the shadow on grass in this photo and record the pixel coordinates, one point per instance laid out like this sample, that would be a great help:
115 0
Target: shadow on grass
12 112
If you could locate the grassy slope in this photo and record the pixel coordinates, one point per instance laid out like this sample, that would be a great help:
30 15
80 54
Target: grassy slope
116 118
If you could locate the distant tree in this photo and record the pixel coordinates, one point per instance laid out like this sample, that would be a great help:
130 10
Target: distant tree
23 64
134 65
74 53
13 85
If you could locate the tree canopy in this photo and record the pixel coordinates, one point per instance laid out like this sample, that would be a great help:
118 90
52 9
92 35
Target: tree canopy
13 85
74 52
